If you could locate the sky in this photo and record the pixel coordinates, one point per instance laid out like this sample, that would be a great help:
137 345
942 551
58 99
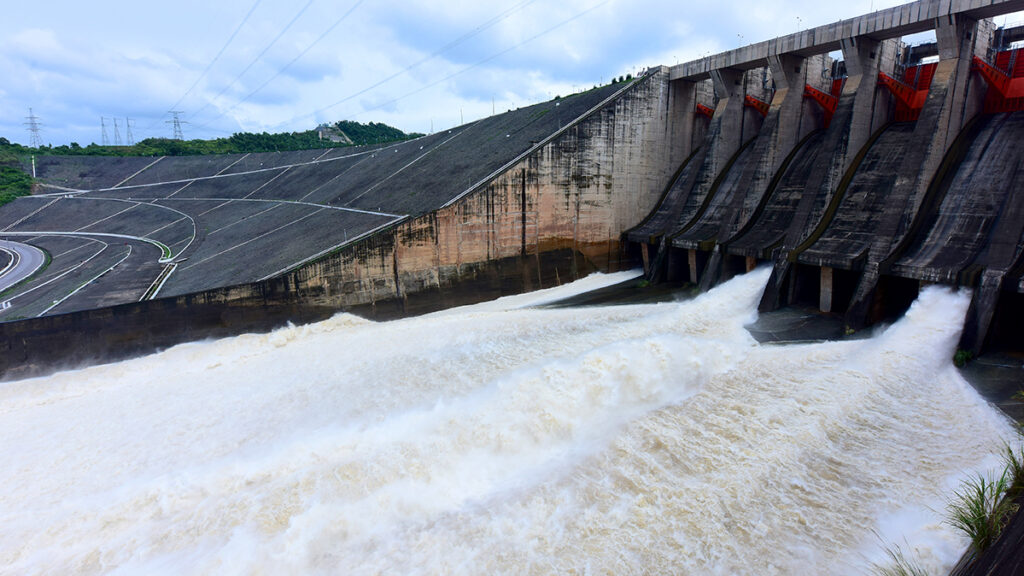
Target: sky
274 65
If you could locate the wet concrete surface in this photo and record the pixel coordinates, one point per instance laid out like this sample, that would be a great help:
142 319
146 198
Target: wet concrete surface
999 378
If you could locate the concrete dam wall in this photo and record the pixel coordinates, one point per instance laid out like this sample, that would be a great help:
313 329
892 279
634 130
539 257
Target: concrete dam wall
837 155
858 170
528 199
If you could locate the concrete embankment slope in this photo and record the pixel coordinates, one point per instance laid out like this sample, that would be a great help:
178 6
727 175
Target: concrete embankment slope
522 200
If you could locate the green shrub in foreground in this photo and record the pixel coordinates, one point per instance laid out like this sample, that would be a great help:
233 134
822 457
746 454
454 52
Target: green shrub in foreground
980 511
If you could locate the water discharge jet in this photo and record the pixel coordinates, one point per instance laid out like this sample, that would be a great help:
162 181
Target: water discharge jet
501 438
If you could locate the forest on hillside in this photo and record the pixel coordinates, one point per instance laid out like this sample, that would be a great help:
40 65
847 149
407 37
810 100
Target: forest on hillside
238 143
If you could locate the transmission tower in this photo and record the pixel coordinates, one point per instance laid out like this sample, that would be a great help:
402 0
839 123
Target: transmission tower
103 126
33 126
177 123
117 134
128 130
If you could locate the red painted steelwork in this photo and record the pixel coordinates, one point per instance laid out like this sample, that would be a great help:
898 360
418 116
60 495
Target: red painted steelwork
828 102
837 86
912 92
756 104
1006 76
705 111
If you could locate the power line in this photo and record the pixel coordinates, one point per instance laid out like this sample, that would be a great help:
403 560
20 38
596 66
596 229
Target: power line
128 130
219 53
256 59
105 140
33 126
480 28
117 134
286 66
212 62
486 60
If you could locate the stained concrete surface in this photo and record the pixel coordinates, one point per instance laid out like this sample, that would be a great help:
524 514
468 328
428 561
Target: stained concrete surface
239 218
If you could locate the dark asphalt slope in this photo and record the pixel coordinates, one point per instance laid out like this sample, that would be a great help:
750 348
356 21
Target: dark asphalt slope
183 168
238 218
88 172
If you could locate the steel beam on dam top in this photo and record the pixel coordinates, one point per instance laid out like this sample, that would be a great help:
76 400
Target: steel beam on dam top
893 22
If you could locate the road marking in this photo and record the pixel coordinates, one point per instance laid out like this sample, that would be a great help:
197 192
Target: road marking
298 263
144 168
68 271
15 257
144 239
240 220
228 167
107 218
313 204
161 278
262 186
210 257
167 257
342 173
31 214
414 160
90 281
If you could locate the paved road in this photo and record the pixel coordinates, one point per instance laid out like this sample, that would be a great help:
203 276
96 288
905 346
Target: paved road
25 260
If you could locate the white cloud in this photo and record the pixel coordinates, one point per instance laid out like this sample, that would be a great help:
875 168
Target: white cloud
75 63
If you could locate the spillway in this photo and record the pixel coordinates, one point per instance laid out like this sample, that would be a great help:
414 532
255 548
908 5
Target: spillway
846 239
983 192
767 227
708 223
667 214
505 437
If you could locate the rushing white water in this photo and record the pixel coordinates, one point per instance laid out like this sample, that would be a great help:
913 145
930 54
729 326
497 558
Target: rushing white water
498 438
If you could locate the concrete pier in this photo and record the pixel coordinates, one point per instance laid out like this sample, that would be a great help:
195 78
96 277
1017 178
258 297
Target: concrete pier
854 185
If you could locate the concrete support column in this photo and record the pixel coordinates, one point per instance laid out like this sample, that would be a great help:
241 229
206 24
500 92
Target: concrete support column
726 129
682 102
954 97
788 72
751 263
859 114
692 255
865 57
725 134
825 297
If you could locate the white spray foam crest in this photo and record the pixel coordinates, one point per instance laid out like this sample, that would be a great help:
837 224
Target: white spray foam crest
599 439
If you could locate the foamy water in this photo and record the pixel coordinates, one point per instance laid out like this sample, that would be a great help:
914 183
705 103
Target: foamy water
500 438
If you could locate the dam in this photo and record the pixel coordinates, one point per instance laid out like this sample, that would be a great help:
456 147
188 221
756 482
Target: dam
338 388
861 167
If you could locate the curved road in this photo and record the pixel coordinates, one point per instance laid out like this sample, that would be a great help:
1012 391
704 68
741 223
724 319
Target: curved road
25 260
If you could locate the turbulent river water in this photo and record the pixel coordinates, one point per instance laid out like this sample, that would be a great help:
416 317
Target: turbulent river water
502 438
